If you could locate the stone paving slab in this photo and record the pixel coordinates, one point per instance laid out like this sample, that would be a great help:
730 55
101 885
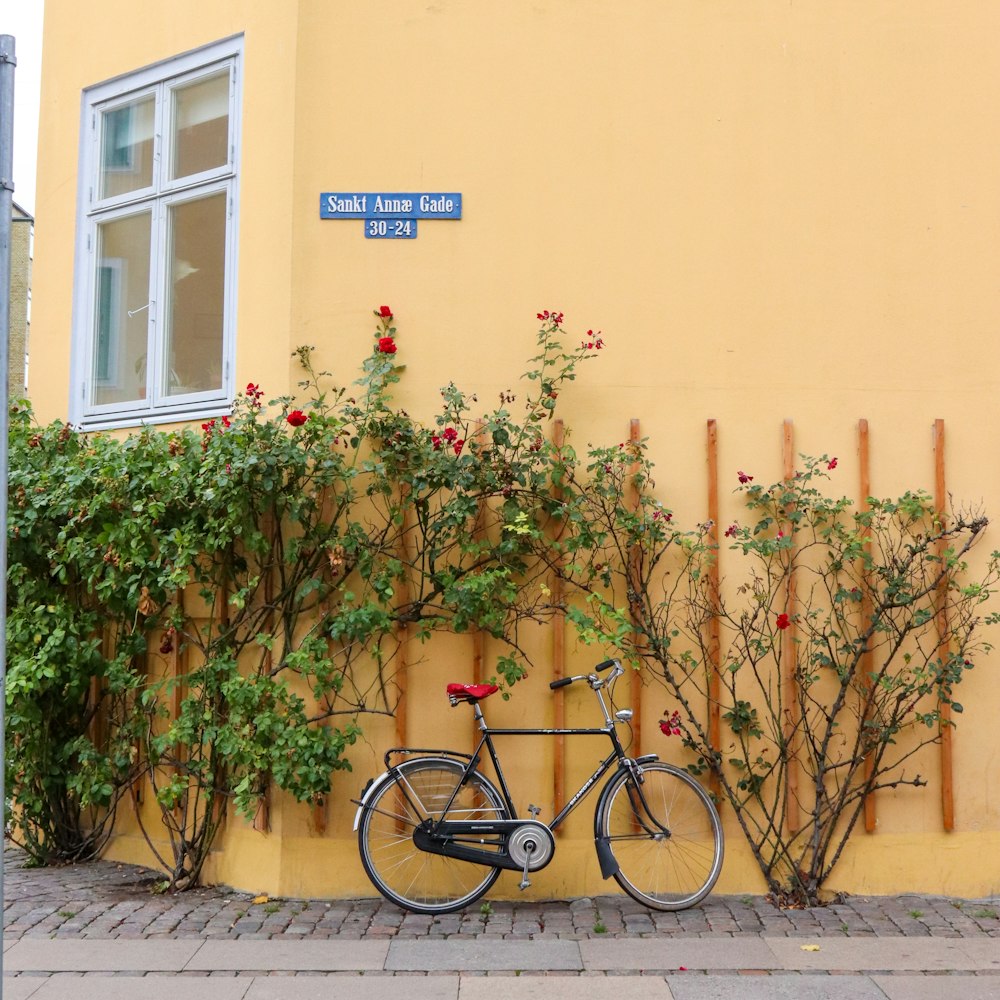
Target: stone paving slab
20 988
486 956
938 987
864 955
561 988
367 987
986 953
42 955
283 955
130 988
675 953
783 988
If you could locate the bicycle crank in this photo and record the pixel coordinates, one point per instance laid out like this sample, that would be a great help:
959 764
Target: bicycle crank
530 847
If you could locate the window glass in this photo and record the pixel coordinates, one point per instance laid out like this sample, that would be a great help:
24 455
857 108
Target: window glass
200 126
127 147
196 290
153 324
122 309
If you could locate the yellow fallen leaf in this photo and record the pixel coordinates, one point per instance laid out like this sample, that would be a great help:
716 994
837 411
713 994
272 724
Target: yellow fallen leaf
257 900
805 947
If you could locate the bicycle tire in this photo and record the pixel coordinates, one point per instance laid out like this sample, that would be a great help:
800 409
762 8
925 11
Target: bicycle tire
404 874
664 871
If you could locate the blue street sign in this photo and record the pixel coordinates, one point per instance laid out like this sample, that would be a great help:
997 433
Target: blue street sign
370 205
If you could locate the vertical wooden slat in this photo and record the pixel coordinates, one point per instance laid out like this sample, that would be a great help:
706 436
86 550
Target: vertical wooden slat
635 555
868 657
403 632
97 720
788 655
136 790
262 817
478 635
559 668
318 812
176 669
940 504
714 644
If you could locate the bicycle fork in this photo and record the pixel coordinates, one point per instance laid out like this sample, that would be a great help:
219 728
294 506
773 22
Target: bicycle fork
642 816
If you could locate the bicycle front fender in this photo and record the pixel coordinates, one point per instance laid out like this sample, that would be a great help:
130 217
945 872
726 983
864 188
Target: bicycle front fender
605 856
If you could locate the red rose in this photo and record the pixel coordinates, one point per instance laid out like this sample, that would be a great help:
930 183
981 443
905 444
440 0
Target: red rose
783 621
450 434
744 478
832 464
385 312
671 726
386 345
297 418
458 445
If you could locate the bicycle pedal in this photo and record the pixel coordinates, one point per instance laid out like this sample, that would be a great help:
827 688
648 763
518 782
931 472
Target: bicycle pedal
533 811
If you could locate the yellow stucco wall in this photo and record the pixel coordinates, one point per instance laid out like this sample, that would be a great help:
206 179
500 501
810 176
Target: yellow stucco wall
772 210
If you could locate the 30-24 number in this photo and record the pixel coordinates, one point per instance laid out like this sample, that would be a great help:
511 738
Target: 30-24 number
398 228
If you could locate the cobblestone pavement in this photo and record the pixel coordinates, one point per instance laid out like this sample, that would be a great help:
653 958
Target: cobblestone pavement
108 900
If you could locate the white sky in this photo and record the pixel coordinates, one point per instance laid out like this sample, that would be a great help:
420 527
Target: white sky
23 20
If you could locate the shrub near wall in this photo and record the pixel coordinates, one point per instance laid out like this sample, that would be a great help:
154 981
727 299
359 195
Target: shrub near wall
265 556
829 657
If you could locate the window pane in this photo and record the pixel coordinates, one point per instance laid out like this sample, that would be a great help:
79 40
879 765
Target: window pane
196 295
200 126
122 309
127 148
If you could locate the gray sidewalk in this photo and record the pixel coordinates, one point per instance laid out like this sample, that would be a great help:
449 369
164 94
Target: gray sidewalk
91 931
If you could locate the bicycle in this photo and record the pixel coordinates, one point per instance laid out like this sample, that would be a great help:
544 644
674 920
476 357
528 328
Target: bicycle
434 832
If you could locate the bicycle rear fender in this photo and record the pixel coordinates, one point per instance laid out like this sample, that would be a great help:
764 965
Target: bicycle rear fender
376 783
367 792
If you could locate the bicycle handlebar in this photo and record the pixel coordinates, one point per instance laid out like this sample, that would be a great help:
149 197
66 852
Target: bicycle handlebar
563 681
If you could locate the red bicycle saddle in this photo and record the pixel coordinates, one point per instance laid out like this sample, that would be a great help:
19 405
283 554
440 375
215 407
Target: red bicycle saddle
470 692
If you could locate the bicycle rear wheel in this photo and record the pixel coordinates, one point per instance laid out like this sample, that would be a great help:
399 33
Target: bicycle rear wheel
665 835
404 874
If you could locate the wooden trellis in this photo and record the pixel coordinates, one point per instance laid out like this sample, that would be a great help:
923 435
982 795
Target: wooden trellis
788 639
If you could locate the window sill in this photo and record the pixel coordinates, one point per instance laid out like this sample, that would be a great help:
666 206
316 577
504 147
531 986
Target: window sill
189 414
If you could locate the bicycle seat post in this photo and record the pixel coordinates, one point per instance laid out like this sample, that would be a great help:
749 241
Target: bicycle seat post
478 715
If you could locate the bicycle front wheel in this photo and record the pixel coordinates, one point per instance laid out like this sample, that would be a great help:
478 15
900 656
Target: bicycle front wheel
665 836
419 792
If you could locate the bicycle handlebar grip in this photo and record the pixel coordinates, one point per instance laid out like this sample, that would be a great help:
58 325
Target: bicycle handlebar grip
561 683
605 665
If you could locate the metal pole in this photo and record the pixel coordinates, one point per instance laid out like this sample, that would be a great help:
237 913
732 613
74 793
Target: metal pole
7 63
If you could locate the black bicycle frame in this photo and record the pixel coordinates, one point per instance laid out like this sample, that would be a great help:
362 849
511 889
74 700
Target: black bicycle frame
439 837
617 754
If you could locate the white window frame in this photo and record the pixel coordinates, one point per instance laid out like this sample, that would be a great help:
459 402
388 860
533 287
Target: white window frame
160 80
